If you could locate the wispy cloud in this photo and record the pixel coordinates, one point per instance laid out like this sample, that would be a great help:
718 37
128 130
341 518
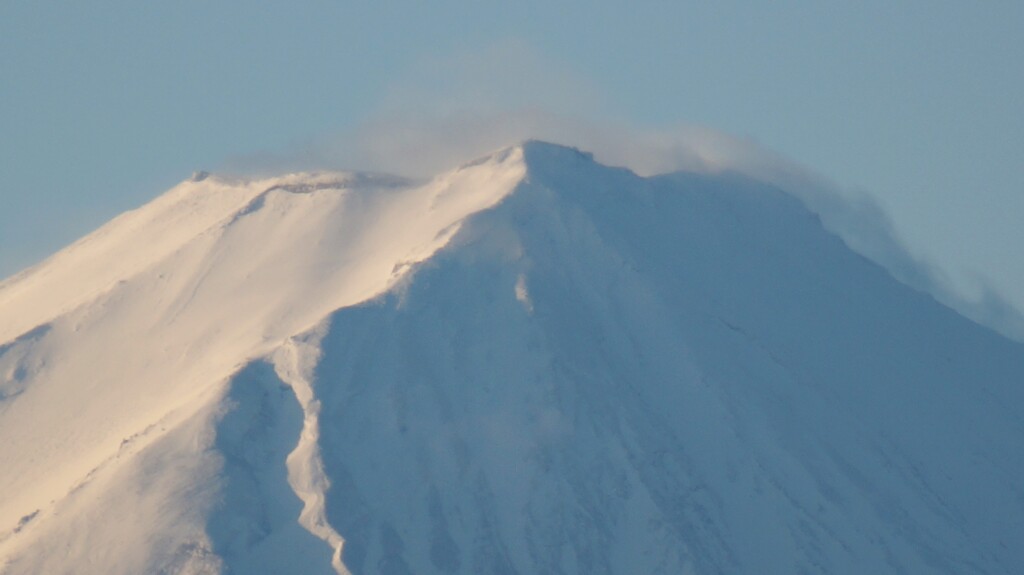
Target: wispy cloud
445 111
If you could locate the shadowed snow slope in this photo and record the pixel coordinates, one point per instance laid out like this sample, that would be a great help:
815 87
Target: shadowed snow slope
532 364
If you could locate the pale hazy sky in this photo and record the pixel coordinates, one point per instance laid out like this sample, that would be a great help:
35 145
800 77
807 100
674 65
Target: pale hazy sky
918 104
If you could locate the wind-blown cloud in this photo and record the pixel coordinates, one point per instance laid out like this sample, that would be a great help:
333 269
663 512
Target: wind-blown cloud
446 111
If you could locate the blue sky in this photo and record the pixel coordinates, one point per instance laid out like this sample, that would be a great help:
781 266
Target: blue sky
919 105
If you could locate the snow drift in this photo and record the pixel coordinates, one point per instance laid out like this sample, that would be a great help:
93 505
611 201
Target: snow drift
531 364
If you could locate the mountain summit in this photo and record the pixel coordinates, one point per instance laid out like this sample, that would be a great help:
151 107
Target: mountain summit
531 364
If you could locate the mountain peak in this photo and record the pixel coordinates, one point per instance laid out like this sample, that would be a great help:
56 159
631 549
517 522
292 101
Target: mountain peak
535 153
532 363
533 148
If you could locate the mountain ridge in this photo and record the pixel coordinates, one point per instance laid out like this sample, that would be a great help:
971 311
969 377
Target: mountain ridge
533 363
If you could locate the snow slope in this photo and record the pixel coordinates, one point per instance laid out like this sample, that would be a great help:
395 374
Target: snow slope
531 364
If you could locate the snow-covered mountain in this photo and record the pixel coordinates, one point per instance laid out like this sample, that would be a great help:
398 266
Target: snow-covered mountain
531 364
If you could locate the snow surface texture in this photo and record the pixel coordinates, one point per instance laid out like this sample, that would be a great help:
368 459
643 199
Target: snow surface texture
532 364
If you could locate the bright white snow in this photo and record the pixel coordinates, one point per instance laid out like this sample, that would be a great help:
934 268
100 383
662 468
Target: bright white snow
531 364
139 325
